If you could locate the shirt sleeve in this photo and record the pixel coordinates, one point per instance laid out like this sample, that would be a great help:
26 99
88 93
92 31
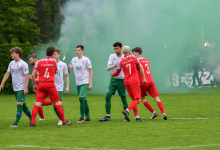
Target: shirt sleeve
25 68
36 66
9 67
118 69
137 62
65 69
88 64
110 60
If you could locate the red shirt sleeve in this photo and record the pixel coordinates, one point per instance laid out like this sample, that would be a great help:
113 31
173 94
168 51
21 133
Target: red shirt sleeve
118 70
36 66
137 63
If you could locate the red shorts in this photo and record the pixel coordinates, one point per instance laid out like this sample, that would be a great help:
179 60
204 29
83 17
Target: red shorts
134 90
150 88
45 90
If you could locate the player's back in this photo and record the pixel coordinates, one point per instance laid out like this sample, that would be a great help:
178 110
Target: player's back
47 69
129 65
145 63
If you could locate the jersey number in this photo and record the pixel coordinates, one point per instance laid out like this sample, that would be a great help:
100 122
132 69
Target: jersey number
148 69
46 75
129 68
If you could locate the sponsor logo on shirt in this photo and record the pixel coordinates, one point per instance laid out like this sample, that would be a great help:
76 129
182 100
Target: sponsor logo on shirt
78 67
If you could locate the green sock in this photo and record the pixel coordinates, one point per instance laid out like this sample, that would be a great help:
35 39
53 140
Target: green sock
56 112
27 111
87 110
108 103
124 101
19 113
82 107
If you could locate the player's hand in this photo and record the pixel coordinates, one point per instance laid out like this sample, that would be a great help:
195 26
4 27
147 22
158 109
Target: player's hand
67 90
30 77
145 81
112 74
35 88
116 65
25 91
1 87
89 87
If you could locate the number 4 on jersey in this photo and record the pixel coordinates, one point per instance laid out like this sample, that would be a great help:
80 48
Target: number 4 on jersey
46 75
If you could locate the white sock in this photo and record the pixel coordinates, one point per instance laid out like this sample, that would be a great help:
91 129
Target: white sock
137 117
108 115
154 112
127 110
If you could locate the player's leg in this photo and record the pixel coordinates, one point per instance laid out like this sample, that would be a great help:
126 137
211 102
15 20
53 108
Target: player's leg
61 99
19 110
54 97
87 111
110 91
135 109
26 110
122 92
41 113
46 103
154 93
135 94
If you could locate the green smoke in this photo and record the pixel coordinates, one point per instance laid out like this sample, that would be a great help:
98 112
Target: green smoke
168 31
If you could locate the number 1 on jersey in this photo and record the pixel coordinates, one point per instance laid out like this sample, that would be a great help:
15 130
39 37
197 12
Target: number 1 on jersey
129 68
46 73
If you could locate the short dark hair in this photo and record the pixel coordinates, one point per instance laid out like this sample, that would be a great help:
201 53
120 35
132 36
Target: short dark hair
57 51
80 46
33 55
50 50
137 49
117 44
17 50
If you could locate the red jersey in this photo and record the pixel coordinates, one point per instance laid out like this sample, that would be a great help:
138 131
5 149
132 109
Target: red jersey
47 68
37 75
145 63
129 64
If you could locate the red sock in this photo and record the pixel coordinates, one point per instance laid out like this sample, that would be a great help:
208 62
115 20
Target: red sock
46 102
60 113
135 109
161 107
40 112
133 103
34 114
148 106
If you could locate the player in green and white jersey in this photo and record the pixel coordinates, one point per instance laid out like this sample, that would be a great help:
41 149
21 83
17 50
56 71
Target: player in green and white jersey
83 73
59 83
20 78
116 83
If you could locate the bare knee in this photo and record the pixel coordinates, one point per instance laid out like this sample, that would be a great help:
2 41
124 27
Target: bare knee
38 103
143 99
56 103
20 103
157 99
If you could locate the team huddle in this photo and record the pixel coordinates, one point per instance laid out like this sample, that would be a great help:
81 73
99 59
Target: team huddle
129 72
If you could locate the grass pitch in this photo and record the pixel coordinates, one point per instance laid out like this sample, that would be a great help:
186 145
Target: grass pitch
193 123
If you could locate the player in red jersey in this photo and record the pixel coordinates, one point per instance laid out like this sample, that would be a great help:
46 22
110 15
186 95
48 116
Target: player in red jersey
46 87
149 86
129 64
33 61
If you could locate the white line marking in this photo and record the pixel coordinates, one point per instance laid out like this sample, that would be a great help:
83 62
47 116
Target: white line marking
178 147
48 147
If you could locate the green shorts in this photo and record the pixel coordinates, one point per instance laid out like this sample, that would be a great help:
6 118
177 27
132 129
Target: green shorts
19 95
116 84
61 95
82 89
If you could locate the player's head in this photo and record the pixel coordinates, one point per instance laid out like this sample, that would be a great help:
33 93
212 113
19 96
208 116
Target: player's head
137 51
50 51
79 50
126 50
33 59
16 52
56 54
117 47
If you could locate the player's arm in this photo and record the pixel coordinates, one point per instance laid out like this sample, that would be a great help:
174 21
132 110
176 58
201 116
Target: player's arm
90 80
7 74
110 66
26 83
142 72
33 80
37 79
67 83
70 67
117 71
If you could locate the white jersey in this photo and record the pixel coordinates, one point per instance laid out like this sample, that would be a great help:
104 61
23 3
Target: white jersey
18 71
81 69
114 59
61 70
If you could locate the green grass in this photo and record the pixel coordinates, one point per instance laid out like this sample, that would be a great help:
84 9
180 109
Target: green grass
199 130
